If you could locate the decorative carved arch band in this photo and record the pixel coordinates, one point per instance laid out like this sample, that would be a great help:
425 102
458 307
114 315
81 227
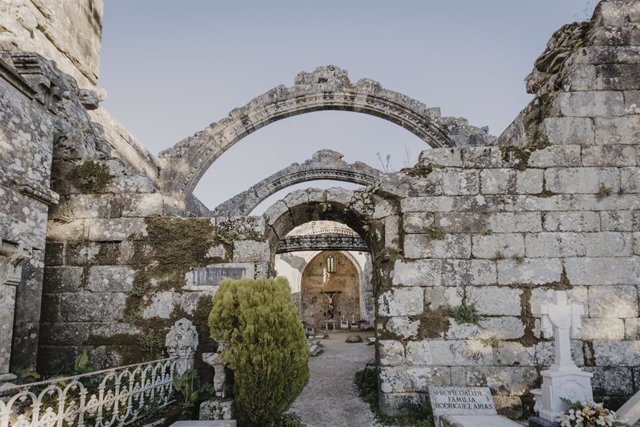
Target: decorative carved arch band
327 88
325 164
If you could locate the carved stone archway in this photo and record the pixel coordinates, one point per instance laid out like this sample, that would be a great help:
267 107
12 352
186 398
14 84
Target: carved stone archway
327 88
324 164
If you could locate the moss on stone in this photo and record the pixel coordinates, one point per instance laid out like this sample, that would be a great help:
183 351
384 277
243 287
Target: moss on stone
464 313
418 171
436 232
433 323
90 177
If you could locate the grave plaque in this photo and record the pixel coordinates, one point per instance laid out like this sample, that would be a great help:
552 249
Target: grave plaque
461 401
212 276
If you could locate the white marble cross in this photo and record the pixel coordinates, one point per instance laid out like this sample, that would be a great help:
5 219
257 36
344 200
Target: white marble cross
562 321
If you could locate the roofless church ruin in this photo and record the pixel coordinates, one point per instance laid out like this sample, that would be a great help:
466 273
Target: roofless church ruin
103 245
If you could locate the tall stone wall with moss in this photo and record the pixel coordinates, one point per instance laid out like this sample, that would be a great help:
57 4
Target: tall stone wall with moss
115 284
554 207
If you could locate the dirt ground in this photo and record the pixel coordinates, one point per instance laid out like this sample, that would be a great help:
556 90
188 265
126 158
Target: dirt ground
331 399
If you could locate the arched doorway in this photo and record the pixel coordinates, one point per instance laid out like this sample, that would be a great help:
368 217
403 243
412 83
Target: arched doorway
330 292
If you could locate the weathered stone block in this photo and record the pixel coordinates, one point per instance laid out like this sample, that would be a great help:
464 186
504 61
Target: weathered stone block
110 279
609 155
608 244
510 181
514 354
90 307
555 156
250 251
72 230
495 301
579 77
568 130
403 327
461 222
613 301
427 204
612 381
618 130
401 302
441 157
423 246
468 272
417 273
448 353
62 279
571 221
535 271
632 98
581 180
498 246
115 229
520 380
603 271
417 222
616 220
140 205
460 182
514 222
631 328
591 104
440 297
602 329
617 13
391 353
412 379
617 77
484 157
630 180
617 353
554 245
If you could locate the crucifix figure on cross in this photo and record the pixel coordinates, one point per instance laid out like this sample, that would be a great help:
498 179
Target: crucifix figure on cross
562 321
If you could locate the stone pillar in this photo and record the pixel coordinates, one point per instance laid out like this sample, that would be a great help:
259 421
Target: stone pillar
182 342
12 258
218 407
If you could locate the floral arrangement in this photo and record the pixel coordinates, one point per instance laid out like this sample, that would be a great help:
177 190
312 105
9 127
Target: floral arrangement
588 414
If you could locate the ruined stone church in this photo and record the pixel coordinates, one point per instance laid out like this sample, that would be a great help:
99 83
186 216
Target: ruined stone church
103 245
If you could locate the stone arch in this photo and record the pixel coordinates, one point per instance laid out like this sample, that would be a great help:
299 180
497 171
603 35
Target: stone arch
346 281
324 164
326 88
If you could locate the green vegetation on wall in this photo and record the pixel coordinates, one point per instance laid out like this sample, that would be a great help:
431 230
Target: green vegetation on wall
267 351
90 177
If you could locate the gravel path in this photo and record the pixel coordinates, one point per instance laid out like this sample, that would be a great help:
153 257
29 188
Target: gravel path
331 399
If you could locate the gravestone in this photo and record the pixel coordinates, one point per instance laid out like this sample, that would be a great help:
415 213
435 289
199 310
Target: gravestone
563 380
465 407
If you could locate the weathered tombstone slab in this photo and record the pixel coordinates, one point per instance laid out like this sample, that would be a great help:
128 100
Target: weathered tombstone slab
460 401
477 420
200 278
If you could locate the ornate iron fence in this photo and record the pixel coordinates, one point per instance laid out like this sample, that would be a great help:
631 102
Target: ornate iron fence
111 397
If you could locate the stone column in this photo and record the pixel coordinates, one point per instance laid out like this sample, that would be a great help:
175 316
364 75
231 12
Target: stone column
12 258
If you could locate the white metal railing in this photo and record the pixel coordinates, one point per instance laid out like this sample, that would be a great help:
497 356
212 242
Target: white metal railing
111 397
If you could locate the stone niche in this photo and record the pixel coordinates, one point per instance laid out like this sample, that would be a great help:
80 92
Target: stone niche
330 291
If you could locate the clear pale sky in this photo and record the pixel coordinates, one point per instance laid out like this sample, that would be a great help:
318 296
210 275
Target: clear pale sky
171 67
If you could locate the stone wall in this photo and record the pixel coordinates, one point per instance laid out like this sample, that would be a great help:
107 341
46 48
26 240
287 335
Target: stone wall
555 207
65 31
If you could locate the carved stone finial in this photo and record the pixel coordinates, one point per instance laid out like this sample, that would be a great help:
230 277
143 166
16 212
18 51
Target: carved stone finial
182 342
325 75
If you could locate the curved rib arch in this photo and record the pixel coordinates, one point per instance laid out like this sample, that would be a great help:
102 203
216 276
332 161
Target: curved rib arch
326 88
324 164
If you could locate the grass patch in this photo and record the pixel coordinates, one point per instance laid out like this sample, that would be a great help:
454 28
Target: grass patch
465 314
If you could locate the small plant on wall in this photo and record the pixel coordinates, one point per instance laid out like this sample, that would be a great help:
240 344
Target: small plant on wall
267 350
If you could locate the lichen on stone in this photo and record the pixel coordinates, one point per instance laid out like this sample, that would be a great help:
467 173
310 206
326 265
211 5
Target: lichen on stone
91 177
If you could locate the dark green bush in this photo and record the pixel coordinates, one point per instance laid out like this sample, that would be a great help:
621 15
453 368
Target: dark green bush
267 351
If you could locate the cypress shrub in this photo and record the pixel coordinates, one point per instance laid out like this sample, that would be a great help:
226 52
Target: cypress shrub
267 351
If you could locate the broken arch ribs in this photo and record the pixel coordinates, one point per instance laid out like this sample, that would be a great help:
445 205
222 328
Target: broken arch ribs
326 88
